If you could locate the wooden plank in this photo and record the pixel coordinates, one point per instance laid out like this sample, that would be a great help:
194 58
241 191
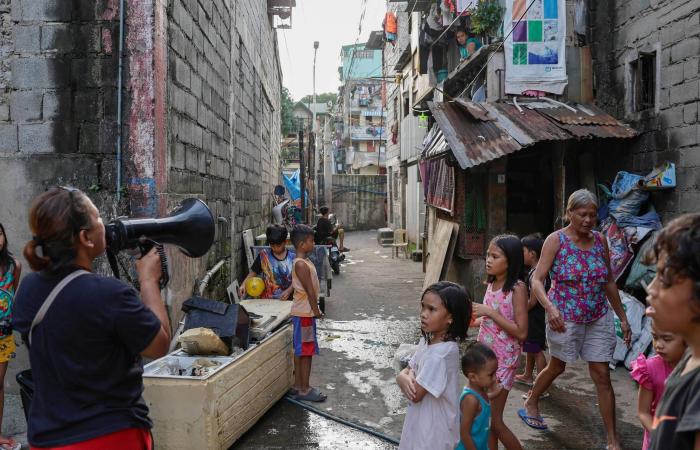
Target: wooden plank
439 245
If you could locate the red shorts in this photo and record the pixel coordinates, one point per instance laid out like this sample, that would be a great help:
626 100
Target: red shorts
129 439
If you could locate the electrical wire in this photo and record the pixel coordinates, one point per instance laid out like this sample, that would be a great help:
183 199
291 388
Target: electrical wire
289 56
359 32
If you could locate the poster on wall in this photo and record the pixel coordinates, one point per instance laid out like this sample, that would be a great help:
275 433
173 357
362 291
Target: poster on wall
535 49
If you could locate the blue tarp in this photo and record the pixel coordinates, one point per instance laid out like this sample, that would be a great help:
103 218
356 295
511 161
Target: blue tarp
293 187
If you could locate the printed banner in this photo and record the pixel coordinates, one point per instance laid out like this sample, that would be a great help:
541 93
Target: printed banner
535 50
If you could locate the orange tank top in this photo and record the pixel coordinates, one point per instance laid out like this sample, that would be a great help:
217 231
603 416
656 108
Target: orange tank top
300 305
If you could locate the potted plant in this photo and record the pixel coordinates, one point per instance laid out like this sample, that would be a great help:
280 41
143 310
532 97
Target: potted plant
486 18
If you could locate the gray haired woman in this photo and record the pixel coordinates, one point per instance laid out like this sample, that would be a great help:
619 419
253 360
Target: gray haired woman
579 320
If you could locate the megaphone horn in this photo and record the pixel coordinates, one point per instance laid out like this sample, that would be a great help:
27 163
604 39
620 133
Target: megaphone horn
190 227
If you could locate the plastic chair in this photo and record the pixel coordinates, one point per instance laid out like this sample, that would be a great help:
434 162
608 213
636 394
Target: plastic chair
400 242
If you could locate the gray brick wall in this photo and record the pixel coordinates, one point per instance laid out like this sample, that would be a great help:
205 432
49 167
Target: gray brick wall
224 114
622 29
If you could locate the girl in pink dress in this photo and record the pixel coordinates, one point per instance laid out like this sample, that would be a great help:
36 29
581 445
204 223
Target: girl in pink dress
502 321
651 374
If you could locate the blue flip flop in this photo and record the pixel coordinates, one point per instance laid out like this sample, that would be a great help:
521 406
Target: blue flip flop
533 422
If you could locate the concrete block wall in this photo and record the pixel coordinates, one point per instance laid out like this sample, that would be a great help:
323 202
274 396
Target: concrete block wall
671 131
224 114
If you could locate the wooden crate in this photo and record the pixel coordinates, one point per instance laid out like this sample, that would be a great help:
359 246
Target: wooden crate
213 413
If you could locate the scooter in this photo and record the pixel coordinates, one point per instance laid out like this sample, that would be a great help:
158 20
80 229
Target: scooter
334 255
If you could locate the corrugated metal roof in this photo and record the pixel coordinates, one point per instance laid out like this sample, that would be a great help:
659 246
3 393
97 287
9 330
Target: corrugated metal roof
475 137
473 142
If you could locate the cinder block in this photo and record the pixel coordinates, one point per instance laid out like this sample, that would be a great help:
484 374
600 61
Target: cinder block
690 113
36 138
672 74
685 92
89 39
57 105
689 201
691 71
26 39
4 112
57 37
683 136
25 106
177 155
34 73
182 72
191 158
8 138
89 141
55 10
87 105
689 157
685 48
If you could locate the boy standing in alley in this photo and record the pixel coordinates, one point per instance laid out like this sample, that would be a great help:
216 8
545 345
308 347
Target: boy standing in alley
305 310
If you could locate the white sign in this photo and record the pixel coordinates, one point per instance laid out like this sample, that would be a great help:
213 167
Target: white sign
535 48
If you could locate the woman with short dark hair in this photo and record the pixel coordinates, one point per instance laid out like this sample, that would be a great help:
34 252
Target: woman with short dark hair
579 321
85 352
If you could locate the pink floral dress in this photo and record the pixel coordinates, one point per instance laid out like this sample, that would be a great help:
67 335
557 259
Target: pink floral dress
651 374
506 347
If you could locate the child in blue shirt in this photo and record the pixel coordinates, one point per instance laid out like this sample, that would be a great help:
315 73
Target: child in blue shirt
479 365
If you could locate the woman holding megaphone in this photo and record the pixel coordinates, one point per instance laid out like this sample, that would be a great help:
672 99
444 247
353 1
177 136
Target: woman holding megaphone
86 332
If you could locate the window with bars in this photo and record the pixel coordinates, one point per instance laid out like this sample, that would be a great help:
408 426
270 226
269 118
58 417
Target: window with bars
644 81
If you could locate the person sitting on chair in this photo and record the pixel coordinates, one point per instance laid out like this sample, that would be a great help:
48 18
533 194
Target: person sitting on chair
326 229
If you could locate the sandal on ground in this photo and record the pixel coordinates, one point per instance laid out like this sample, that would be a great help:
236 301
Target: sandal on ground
533 422
314 395
292 392
521 380
542 397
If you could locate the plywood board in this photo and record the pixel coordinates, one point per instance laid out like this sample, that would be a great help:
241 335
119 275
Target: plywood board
440 243
273 312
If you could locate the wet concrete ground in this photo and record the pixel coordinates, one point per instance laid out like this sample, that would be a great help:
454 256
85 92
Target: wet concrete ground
372 309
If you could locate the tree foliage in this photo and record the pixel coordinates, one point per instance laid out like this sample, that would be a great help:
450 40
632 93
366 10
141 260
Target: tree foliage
321 98
287 112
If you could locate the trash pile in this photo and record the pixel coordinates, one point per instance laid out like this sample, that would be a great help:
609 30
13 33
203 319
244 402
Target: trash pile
630 223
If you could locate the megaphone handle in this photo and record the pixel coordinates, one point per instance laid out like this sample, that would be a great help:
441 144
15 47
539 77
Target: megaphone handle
164 277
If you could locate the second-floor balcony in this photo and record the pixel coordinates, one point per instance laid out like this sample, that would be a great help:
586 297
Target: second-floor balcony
368 133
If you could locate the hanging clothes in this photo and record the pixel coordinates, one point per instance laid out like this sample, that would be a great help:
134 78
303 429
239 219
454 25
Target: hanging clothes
390 27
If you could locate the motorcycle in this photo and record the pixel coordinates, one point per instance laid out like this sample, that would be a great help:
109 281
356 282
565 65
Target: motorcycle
335 257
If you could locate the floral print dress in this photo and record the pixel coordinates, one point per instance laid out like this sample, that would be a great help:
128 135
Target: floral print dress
578 280
506 347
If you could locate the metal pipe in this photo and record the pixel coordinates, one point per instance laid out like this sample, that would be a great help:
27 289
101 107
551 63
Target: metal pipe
205 281
119 99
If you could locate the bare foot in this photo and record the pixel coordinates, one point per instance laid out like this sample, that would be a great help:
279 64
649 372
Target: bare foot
522 378
531 407
613 444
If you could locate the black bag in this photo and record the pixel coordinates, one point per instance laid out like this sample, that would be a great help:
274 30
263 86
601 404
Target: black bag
230 322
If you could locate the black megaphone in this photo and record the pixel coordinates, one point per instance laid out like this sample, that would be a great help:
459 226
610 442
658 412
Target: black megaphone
190 228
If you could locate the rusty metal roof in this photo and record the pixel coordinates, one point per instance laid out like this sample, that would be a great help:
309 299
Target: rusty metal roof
473 142
478 133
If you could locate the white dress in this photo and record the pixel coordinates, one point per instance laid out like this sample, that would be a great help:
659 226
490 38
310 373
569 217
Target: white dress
433 423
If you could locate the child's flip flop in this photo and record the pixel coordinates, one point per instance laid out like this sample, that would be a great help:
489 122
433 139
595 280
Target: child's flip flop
533 422
314 395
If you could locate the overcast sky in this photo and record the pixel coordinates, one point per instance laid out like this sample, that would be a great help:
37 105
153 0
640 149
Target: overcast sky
333 23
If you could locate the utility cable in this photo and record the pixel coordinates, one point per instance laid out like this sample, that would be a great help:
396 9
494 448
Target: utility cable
340 420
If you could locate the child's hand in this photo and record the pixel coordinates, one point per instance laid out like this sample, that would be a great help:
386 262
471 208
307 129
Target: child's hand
286 294
481 310
407 384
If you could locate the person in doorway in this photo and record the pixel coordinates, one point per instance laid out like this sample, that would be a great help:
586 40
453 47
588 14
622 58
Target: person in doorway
431 380
85 350
466 45
579 320
536 340
304 313
674 305
502 320
10 270
273 265
326 229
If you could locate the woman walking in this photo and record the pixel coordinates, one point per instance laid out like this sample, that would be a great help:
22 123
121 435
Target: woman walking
580 323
